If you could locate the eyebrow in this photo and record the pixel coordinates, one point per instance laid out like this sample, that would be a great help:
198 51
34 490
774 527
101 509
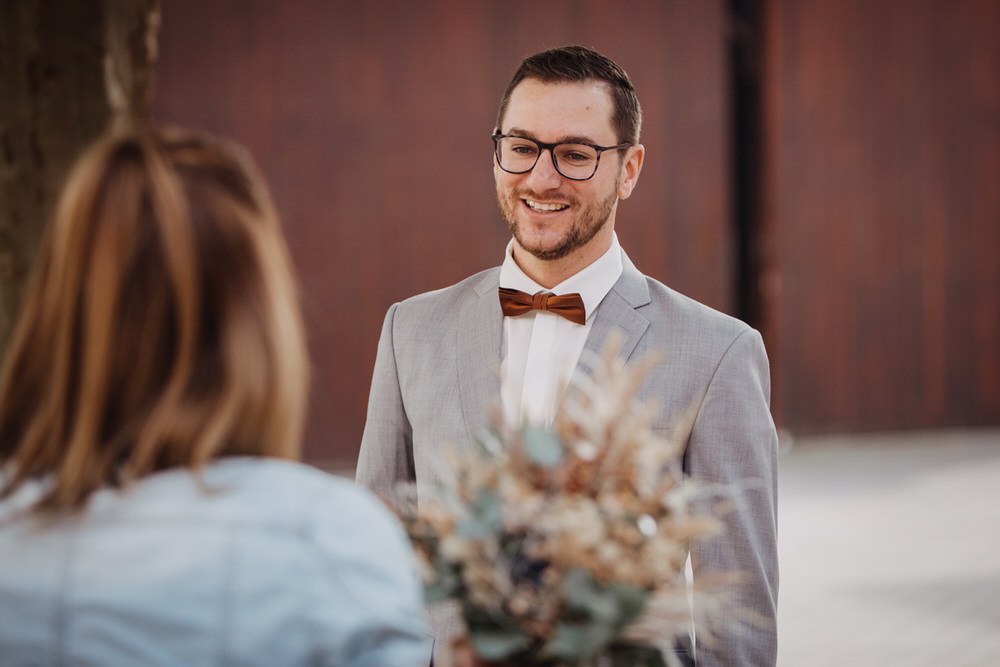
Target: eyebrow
565 139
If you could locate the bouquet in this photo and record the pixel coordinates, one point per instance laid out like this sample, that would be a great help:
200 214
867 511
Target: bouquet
566 545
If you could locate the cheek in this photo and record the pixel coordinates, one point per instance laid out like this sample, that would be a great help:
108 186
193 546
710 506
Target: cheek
500 176
506 183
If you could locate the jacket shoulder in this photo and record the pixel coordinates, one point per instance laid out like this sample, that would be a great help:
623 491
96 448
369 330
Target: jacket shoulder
684 317
441 303
666 298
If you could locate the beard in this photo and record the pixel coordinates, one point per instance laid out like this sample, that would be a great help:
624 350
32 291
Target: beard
589 221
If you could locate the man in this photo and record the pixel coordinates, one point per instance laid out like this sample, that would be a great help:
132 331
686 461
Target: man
566 152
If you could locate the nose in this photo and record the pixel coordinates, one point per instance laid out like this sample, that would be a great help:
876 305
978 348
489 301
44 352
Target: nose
543 176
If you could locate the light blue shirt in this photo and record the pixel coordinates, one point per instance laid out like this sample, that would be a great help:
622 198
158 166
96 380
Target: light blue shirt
268 562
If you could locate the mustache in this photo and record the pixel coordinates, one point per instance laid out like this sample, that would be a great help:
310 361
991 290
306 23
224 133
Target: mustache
524 193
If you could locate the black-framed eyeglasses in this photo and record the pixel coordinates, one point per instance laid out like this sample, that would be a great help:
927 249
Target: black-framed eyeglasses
575 161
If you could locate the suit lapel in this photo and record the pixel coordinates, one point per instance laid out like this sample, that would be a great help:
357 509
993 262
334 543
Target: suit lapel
478 354
617 312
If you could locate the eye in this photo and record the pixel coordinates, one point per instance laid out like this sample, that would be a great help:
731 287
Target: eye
522 148
576 154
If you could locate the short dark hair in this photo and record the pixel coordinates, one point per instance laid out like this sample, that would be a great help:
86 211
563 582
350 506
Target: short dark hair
571 64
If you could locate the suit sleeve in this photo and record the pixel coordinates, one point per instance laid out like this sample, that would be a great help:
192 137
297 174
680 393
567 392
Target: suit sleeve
386 456
733 450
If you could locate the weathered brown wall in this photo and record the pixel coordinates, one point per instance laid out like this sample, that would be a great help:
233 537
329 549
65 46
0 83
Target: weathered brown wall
880 154
371 121
883 213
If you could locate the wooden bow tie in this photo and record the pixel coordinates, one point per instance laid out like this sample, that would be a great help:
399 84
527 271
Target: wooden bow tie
570 306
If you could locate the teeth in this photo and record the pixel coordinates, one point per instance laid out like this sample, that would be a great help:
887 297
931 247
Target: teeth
545 207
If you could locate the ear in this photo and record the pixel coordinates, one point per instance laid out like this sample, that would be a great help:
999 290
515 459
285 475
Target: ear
493 154
631 166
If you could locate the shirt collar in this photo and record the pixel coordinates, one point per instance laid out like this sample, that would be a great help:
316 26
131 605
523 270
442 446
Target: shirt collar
592 283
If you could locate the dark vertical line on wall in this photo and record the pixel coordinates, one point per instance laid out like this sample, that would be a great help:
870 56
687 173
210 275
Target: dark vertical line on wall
745 61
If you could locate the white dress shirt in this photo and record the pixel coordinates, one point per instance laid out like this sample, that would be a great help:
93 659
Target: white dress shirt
540 349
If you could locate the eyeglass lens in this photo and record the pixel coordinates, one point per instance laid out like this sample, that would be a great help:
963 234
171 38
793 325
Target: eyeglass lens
519 155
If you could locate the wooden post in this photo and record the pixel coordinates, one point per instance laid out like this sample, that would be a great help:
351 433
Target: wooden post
69 69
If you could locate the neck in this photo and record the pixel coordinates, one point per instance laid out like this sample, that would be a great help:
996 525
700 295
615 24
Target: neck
550 272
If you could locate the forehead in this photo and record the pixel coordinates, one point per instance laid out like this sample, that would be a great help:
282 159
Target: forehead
557 111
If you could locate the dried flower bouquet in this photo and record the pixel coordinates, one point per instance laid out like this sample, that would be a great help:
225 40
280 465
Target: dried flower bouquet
566 545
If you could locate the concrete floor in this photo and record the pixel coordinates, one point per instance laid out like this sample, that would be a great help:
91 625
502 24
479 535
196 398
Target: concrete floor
890 550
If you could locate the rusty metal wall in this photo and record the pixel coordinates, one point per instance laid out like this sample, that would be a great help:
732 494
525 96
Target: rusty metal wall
371 121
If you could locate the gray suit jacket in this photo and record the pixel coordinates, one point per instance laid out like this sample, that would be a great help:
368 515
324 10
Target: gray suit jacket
436 383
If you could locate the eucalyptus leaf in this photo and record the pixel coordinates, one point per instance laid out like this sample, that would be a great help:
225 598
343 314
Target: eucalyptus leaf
475 529
575 642
497 644
566 643
487 442
542 446
493 634
444 586
631 601
485 518
436 593
585 596
603 611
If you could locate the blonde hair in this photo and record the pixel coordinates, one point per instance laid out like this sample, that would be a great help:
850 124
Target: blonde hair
161 327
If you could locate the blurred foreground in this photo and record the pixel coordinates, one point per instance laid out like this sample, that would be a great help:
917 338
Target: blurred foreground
890 550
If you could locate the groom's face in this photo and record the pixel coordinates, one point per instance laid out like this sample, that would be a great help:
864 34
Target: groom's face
549 215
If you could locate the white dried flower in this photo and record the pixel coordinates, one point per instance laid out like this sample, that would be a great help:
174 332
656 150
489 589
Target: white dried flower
586 450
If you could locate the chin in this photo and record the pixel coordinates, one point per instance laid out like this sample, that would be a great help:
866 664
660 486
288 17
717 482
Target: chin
545 251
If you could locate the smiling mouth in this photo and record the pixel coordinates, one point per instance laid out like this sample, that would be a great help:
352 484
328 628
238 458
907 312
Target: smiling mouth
544 208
